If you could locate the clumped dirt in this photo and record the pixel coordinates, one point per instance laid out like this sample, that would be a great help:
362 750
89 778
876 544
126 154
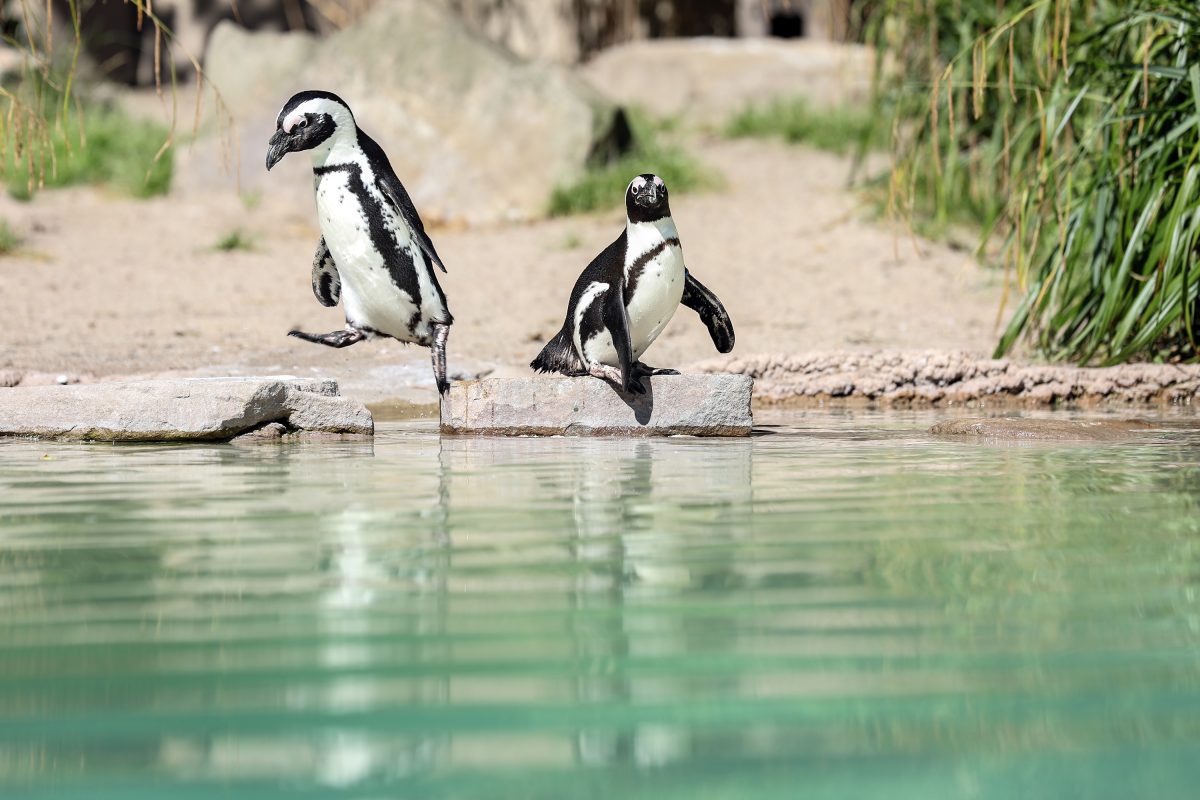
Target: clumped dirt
105 286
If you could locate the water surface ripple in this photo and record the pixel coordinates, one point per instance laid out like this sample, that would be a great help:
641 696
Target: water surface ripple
842 606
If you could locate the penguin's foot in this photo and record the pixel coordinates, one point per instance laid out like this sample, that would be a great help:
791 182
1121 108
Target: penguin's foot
438 353
645 371
613 375
342 338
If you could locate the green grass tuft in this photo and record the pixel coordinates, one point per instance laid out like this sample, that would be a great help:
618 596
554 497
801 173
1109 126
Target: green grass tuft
10 240
603 186
235 240
252 199
837 130
115 150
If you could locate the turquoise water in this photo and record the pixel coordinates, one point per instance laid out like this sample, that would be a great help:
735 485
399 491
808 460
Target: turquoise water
840 607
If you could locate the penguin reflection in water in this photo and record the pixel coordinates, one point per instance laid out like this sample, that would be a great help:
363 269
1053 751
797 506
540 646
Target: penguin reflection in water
374 254
628 294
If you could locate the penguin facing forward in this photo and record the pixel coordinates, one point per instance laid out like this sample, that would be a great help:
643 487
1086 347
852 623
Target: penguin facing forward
374 255
628 294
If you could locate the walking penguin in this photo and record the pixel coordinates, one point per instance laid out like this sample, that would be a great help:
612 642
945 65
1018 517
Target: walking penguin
627 295
374 253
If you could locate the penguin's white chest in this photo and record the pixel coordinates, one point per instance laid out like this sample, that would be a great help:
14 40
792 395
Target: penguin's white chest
655 296
344 225
370 296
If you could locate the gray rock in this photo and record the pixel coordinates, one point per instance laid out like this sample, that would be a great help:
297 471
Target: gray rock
1095 430
180 410
695 405
476 134
270 432
709 80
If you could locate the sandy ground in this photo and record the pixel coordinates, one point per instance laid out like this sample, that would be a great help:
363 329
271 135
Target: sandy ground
105 286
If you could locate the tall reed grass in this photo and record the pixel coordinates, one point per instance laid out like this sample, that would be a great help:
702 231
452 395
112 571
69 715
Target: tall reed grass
1069 132
51 130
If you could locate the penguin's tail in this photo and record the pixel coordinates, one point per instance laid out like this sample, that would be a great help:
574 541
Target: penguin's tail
559 356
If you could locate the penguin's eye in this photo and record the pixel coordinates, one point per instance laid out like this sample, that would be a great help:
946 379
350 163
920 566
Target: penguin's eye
303 123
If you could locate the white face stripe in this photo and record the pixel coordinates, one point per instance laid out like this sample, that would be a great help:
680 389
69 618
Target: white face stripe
292 121
316 106
637 183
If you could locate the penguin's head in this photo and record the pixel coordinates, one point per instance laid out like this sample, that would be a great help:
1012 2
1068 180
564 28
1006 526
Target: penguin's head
646 199
308 121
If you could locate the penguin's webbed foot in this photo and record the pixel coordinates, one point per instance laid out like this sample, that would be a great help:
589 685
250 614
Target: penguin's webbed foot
613 375
645 371
342 338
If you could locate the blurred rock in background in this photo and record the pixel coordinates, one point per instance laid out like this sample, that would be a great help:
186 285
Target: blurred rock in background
477 134
828 20
120 45
484 106
709 80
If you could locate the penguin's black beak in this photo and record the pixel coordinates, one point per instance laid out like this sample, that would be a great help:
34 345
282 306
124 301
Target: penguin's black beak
277 148
649 197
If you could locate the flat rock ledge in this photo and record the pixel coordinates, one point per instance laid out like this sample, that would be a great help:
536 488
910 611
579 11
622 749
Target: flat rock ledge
1024 428
175 410
954 378
674 405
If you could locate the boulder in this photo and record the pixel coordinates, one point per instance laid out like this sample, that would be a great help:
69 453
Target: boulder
181 410
475 134
1094 430
546 30
693 405
709 80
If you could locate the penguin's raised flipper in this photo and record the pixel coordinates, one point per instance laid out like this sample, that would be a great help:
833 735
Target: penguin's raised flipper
617 323
698 298
342 338
395 192
327 284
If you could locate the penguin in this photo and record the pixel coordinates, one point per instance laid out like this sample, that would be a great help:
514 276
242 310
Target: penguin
374 254
628 294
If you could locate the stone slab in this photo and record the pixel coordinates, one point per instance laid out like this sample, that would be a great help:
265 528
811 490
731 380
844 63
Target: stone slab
174 410
691 405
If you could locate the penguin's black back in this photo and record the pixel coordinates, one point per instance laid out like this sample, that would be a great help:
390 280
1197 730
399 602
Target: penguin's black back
559 353
393 188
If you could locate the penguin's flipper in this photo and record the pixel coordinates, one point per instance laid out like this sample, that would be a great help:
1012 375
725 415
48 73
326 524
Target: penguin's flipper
698 298
327 284
617 323
397 195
